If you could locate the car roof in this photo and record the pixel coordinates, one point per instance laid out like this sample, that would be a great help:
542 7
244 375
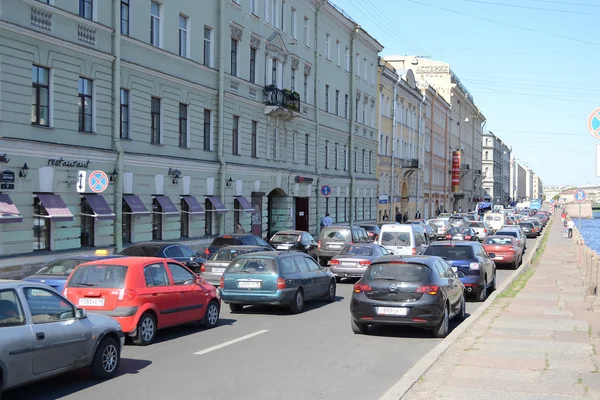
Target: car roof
242 247
129 261
501 236
235 235
273 254
13 284
290 231
453 243
427 260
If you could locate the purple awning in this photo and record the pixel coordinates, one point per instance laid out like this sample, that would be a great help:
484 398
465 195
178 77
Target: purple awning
136 206
217 204
245 204
100 207
167 206
55 207
9 213
194 207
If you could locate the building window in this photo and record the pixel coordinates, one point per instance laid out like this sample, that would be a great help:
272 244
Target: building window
294 151
183 125
124 114
40 104
235 135
207 46
306 33
125 17
345 158
357 65
85 105
370 162
327 154
155 121
306 154
155 24
355 159
86 9
274 144
347 57
346 106
363 160
281 14
252 65
253 6
274 72
293 24
305 88
337 102
41 226
207 130
293 80
365 69
275 12
183 36
337 53
87 224
254 139
336 156
326 98
234 55
328 46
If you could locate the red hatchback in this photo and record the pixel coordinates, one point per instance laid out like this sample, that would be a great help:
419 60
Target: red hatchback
505 249
143 294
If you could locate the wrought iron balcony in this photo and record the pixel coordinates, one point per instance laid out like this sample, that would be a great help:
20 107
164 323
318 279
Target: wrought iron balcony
411 163
273 96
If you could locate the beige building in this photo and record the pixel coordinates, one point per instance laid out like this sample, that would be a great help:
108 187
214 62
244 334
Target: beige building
538 188
465 124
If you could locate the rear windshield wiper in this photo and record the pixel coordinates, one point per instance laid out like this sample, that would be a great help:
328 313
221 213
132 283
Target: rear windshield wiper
383 278
83 284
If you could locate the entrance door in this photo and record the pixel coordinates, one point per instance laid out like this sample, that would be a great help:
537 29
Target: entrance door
302 223
185 220
126 223
41 227
257 200
87 224
156 220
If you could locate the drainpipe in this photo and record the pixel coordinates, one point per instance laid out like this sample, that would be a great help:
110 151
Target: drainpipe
420 155
352 118
220 110
394 150
317 115
118 184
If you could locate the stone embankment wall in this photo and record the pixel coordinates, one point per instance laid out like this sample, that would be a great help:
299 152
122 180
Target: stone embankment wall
573 210
588 262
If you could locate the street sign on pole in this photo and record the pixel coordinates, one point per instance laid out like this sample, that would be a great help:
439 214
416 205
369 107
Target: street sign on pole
326 190
580 195
594 123
98 181
81 181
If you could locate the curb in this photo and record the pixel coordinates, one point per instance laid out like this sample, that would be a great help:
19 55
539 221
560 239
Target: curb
399 389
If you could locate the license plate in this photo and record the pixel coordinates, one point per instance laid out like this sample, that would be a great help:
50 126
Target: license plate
499 258
283 247
249 285
348 264
91 302
440 231
218 270
400 311
335 246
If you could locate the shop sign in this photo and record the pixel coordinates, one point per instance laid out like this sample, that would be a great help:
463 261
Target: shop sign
8 179
61 162
456 171
303 179
4 158
174 172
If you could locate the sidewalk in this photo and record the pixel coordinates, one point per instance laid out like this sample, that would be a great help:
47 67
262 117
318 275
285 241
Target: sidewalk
539 343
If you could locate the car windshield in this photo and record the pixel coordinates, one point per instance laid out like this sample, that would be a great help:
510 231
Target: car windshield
398 272
62 267
395 239
507 233
99 276
336 234
436 222
254 265
477 225
227 254
147 250
456 221
450 252
285 238
357 251
460 231
225 240
370 228
498 240
526 224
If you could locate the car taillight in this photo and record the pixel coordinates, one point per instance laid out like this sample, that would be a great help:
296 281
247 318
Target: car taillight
281 283
351 243
334 262
362 287
364 262
202 269
448 236
429 289
414 251
127 294
468 237
222 281
484 230
319 243
206 252
474 265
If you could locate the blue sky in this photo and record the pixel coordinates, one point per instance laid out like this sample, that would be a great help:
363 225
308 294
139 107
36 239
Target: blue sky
532 66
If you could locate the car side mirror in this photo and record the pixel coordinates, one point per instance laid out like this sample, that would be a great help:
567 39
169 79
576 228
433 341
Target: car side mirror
200 280
460 274
80 313
391 253
491 255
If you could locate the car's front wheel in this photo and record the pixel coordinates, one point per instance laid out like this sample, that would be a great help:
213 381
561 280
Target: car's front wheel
146 330
107 358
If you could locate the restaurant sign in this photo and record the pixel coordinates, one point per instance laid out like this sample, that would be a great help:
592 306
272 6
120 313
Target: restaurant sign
61 162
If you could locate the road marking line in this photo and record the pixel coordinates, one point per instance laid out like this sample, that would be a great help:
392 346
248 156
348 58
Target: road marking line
233 341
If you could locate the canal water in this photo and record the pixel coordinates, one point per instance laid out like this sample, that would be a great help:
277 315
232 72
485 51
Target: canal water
590 229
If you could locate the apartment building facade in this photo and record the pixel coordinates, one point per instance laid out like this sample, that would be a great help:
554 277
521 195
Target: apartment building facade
538 187
257 113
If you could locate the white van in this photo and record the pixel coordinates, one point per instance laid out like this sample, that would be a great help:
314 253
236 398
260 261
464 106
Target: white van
494 220
403 239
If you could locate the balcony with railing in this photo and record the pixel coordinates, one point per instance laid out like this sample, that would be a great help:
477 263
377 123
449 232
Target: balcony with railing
410 163
281 102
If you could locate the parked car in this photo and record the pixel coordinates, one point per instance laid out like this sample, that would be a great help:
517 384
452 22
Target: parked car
470 258
415 291
332 240
419 222
175 251
458 221
405 239
354 259
234 239
461 234
430 233
494 220
294 240
516 232
439 226
56 273
144 294
213 268
282 278
372 230
480 228
537 223
505 249
42 335
529 229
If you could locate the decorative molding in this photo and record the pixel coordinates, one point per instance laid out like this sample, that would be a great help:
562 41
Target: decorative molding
254 42
41 20
307 68
58 11
275 52
295 62
358 95
86 35
236 33
365 99
372 102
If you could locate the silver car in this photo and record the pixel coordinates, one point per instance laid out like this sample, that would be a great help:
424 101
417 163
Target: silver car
481 229
353 260
42 335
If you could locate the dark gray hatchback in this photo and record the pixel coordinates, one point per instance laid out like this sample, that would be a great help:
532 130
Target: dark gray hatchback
333 239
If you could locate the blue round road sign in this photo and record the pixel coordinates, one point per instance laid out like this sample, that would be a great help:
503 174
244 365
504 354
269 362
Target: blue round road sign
326 190
98 181
580 195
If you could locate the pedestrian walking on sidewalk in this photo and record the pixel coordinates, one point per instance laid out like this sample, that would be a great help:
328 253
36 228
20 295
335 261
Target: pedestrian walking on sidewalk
327 221
565 229
563 216
570 226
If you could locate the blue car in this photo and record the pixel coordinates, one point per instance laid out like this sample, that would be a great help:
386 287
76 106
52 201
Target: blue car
281 278
470 258
56 273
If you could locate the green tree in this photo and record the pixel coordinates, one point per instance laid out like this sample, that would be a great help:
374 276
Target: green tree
556 197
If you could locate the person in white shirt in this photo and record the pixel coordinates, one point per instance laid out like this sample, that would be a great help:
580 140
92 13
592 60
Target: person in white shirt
570 226
327 221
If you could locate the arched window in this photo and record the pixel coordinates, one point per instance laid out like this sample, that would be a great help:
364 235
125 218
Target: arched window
487 155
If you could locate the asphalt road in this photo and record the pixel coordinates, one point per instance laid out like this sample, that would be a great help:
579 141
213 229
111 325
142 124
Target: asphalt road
262 353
